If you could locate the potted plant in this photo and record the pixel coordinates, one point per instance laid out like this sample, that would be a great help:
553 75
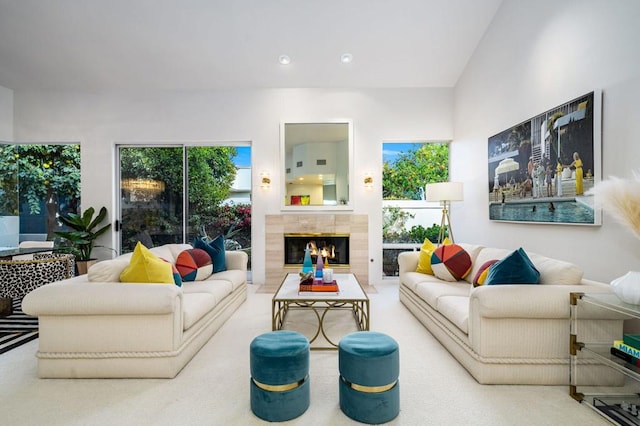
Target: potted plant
83 234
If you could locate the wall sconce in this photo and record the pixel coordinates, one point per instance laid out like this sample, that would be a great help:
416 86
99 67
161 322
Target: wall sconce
265 180
368 181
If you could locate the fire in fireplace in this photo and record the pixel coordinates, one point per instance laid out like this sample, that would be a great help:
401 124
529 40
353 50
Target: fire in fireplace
335 247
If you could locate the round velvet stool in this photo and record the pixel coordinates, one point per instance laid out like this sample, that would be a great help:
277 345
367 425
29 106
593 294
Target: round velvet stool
279 375
369 366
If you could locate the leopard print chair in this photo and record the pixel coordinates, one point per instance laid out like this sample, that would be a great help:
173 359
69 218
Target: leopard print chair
19 277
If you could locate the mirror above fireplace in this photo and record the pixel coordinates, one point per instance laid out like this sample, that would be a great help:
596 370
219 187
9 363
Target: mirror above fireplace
317 165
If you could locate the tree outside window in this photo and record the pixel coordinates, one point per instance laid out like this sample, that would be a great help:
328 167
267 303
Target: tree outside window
39 182
407 218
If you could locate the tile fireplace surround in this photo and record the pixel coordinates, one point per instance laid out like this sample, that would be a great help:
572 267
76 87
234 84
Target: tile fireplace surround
357 226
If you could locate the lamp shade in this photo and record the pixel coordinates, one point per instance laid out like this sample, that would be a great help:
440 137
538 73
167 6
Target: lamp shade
444 191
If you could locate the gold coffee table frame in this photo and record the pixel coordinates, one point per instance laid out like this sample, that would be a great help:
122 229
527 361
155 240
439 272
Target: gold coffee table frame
350 297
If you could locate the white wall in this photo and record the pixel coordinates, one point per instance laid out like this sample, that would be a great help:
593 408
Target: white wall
534 56
6 114
100 120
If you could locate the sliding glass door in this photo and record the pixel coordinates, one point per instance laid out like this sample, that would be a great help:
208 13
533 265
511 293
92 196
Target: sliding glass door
172 194
151 196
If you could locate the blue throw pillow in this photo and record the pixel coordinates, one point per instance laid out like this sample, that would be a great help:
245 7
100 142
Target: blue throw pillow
215 248
516 268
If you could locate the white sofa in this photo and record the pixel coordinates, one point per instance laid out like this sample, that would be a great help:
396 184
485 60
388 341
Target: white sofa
94 326
509 334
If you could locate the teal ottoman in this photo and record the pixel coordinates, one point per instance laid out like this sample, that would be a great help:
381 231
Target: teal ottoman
279 375
369 366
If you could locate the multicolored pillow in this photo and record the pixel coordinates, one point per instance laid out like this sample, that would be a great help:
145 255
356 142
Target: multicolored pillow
215 248
450 262
424 259
194 265
481 275
516 268
146 267
176 275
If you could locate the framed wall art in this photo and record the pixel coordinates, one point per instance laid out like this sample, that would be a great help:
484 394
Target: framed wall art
540 170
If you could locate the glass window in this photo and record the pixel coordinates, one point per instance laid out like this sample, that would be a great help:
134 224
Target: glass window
38 182
407 218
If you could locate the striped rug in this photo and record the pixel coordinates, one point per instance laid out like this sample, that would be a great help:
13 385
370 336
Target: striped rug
17 329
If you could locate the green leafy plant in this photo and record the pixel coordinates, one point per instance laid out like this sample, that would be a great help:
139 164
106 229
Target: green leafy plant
84 232
419 233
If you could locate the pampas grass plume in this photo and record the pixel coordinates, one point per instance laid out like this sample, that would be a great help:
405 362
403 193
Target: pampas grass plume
621 199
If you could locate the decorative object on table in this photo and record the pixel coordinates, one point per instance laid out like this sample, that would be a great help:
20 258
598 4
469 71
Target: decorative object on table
327 275
319 265
627 287
445 193
306 278
621 198
83 235
318 287
307 266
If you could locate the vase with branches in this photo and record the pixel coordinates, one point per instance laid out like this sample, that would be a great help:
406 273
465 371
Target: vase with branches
621 199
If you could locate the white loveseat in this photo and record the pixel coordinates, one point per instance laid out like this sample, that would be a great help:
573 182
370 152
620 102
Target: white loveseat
94 326
509 334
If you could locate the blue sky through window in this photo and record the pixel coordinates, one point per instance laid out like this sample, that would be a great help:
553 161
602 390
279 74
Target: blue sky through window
391 150
243 157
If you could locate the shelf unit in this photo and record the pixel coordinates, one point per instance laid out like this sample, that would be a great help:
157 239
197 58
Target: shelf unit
616 403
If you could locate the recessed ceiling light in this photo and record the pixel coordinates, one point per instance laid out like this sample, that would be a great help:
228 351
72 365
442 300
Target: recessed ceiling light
346 58
284 59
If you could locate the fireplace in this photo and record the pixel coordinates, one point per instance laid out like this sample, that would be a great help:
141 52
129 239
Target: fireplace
335 247
353 226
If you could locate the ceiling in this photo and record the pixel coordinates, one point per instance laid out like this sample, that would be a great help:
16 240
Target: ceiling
231 44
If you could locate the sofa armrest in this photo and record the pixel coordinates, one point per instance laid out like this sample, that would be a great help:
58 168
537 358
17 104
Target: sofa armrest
80 297
407 262
236 259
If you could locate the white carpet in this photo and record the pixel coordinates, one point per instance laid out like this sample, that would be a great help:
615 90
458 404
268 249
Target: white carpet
213 389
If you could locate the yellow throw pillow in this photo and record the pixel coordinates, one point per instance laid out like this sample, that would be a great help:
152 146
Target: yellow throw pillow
146 267
424 260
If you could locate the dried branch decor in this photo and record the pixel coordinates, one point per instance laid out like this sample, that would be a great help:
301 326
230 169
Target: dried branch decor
621 198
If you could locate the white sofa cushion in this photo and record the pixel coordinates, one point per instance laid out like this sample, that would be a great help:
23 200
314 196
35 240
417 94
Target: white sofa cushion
170 252
456 309
108 270
486 254
432 291
554 271
411 279
196 305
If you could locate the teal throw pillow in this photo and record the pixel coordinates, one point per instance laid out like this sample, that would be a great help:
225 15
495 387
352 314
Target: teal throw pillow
516 268
215 248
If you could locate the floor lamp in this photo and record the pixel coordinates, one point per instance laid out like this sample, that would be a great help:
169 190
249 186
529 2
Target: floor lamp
445 193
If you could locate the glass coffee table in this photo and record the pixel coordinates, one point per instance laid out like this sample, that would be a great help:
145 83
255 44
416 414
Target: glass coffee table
351 297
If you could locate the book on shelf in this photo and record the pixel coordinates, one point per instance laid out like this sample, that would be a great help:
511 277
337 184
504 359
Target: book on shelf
632 340
625 356
620 345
